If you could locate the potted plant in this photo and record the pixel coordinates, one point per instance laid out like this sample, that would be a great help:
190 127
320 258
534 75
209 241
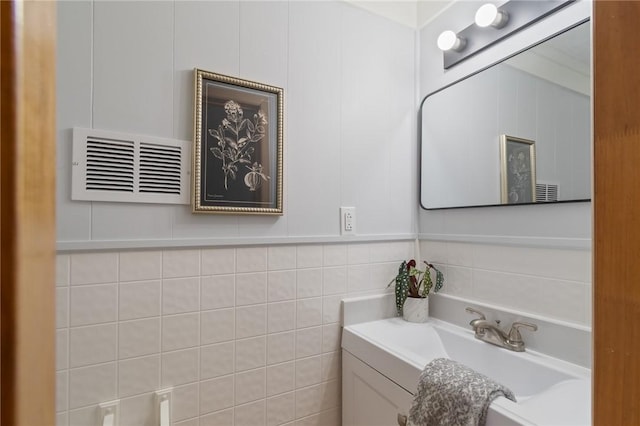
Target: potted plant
412 287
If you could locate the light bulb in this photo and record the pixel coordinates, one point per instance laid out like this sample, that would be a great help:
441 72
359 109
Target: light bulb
489 15
448 40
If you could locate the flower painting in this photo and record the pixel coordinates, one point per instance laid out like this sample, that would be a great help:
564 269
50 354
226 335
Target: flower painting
238 146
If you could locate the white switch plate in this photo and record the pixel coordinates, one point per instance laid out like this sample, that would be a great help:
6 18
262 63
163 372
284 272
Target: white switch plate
347 220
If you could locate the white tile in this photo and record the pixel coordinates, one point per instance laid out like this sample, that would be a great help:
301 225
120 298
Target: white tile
332 309
219 418
309 256
62 269
191 422
358 254
82 416
309 312
180 263
251 259
334 280
62 390
251 414
308 371
308 401
217 291
62 419
281 409
280 378
62 307
334 255
280 347
281 316
93 304
331 336
251 353
92 344
395 251
250 385
138 375
281 257
180 331
217 360
308 342
438 252
216 394
92 385
138 337
180 367
251 321
140 265
331 392
281 285
180 295
309 282
251 288
218 261
217 326
331 365
94 268
359 279
62 349
140 299
137 410
458 281
184 402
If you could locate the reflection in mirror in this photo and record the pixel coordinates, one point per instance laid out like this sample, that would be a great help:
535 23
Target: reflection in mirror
542 96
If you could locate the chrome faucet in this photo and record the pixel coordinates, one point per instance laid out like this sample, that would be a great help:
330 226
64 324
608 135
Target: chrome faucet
492 333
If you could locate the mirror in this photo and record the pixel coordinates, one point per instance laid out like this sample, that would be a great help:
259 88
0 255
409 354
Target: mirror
517 132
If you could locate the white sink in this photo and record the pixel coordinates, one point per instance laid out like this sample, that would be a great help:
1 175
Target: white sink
549 391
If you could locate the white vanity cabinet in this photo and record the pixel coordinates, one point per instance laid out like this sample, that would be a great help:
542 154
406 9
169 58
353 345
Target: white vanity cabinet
368 397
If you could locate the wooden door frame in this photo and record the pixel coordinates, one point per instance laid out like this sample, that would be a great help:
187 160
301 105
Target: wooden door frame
616 214
27 212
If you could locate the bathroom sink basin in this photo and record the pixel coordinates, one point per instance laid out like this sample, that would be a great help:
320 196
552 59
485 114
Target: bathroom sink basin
548 390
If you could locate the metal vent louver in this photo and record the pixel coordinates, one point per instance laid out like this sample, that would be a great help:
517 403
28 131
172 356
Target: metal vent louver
109 166
546 192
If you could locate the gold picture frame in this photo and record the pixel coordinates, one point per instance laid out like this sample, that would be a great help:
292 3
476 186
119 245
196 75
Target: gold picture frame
517 170
238 146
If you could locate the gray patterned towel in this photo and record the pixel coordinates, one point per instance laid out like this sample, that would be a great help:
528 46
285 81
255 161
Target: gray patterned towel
452 394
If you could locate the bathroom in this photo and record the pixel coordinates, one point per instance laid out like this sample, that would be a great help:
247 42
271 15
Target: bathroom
148 295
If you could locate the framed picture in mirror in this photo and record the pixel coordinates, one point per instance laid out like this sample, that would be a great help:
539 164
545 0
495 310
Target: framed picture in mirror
517 170
238 149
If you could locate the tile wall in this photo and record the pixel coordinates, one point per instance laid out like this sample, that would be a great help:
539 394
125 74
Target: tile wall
551 283
244 335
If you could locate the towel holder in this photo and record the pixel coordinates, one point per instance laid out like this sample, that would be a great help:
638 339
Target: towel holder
108 413
163 405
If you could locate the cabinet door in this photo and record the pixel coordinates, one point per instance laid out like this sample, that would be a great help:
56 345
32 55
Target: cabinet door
368 397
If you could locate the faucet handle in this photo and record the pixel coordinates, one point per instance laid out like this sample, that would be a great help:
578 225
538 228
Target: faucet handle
514 333
473 311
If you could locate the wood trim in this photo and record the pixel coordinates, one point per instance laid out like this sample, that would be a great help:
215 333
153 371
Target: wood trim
616 213
27 212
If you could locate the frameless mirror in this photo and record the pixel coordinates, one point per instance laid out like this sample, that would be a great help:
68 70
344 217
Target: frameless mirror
517 132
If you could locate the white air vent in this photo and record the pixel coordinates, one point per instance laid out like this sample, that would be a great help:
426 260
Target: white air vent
546 192
109 166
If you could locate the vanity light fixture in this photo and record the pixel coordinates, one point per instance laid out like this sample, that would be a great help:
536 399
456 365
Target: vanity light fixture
449 40
509 18
488 15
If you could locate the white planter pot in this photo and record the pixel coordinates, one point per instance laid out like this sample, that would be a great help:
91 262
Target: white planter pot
416 309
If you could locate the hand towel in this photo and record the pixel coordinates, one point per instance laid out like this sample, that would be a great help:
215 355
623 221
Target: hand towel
452 394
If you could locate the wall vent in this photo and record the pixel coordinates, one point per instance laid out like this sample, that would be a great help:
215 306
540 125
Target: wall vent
109 166
546 192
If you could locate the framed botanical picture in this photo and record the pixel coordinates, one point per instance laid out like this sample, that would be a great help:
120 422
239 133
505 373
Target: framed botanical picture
518 170
238 150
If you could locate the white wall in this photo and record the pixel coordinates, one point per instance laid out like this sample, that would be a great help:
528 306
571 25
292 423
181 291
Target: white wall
350 125
560 225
